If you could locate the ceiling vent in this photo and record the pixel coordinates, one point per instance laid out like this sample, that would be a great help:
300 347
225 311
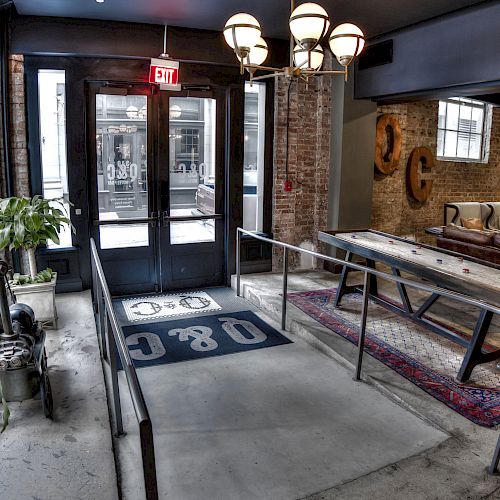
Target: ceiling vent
376 55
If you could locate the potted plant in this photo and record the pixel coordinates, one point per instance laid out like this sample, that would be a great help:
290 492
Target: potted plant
27 223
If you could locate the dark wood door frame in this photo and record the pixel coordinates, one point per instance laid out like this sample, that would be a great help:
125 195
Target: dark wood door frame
79 71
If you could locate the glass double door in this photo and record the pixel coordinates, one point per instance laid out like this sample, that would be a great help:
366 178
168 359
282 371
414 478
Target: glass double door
157 175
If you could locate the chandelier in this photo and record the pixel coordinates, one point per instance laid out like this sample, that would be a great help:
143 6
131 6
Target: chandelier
309 23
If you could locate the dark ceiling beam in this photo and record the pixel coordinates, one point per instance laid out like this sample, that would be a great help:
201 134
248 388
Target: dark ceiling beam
444 56
92 38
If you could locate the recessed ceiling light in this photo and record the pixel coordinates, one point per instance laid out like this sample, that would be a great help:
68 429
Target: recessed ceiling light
99 1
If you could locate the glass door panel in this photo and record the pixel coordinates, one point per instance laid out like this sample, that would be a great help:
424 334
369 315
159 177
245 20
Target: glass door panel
191 167
122 150
192 170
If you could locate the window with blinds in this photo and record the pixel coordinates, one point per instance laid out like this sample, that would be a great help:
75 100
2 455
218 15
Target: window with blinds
463 130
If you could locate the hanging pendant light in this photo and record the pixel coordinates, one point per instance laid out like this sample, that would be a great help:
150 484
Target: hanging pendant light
308 59
258 53
242 31
309 23
346 42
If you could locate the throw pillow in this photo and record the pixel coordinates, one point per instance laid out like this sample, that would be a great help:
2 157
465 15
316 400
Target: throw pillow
472 223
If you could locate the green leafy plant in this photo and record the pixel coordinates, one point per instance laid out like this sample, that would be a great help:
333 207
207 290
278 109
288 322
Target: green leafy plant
29 222
5 412
44 276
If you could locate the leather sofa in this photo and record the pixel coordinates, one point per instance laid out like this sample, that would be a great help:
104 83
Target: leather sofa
484 245
487 212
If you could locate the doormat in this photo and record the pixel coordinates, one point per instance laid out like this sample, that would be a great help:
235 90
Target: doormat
151 307
426 359
199 337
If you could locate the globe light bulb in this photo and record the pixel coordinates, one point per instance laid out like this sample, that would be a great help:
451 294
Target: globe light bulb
308 59
258 53
346 41
242 31
308 24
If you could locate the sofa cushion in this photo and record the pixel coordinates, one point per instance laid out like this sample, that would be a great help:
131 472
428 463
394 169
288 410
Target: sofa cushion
488 254
472 223
468 235
496 240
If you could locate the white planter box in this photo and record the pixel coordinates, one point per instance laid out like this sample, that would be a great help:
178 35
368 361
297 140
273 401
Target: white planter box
41 297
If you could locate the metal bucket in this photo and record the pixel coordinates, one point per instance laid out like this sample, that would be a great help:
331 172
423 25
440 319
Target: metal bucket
20 384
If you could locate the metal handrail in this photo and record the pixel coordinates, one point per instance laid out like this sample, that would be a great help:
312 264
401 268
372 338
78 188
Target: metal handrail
359 267
367 271
112 343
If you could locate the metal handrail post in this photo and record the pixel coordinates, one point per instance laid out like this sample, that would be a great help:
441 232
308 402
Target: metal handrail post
103 325
238 263
117 346
148 460
362 330
493 468
285 287
115 386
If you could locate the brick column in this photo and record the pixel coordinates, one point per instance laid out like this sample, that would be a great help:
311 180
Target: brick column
299 215
18 126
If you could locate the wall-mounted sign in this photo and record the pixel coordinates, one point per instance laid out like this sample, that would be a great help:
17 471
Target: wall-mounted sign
420 164
388 144
165 73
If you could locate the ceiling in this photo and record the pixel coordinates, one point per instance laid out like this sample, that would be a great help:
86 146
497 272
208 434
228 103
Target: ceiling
373 16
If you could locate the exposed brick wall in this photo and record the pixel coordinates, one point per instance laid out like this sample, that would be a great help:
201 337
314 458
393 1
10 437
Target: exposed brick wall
18 140
299 215
395 212
18 127
2 164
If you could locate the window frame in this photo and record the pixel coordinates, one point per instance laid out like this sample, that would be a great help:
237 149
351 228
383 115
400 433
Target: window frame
484 134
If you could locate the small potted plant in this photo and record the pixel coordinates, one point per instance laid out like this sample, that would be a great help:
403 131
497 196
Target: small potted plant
27 223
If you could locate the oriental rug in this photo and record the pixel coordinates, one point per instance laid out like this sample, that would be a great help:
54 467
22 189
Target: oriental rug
426 359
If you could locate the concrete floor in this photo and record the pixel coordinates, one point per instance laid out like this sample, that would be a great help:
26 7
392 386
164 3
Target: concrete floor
455 469
277 423
71 457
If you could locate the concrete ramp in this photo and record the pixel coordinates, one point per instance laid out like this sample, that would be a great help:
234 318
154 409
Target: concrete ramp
278 423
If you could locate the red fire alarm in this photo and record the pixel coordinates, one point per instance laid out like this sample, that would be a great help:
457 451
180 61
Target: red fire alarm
288 186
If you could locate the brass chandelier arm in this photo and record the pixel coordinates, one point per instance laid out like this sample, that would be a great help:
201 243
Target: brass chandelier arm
255 67
325 72
264 77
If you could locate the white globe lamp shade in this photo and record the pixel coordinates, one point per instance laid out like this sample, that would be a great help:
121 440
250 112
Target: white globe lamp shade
308 59
175 112
308 24
257 54
132 112
242 32
346 41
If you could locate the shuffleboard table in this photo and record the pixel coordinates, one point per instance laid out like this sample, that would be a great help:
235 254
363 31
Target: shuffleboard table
445 269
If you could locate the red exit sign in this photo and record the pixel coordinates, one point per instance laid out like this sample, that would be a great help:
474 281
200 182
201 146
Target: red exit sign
165 73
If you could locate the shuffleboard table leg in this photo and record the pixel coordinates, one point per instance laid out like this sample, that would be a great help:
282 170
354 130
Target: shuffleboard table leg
496 458
402 292
362 330
373 279
473 354
426 305
341 290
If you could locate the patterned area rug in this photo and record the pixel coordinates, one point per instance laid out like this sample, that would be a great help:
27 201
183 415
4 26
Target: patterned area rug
152 307
429 361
